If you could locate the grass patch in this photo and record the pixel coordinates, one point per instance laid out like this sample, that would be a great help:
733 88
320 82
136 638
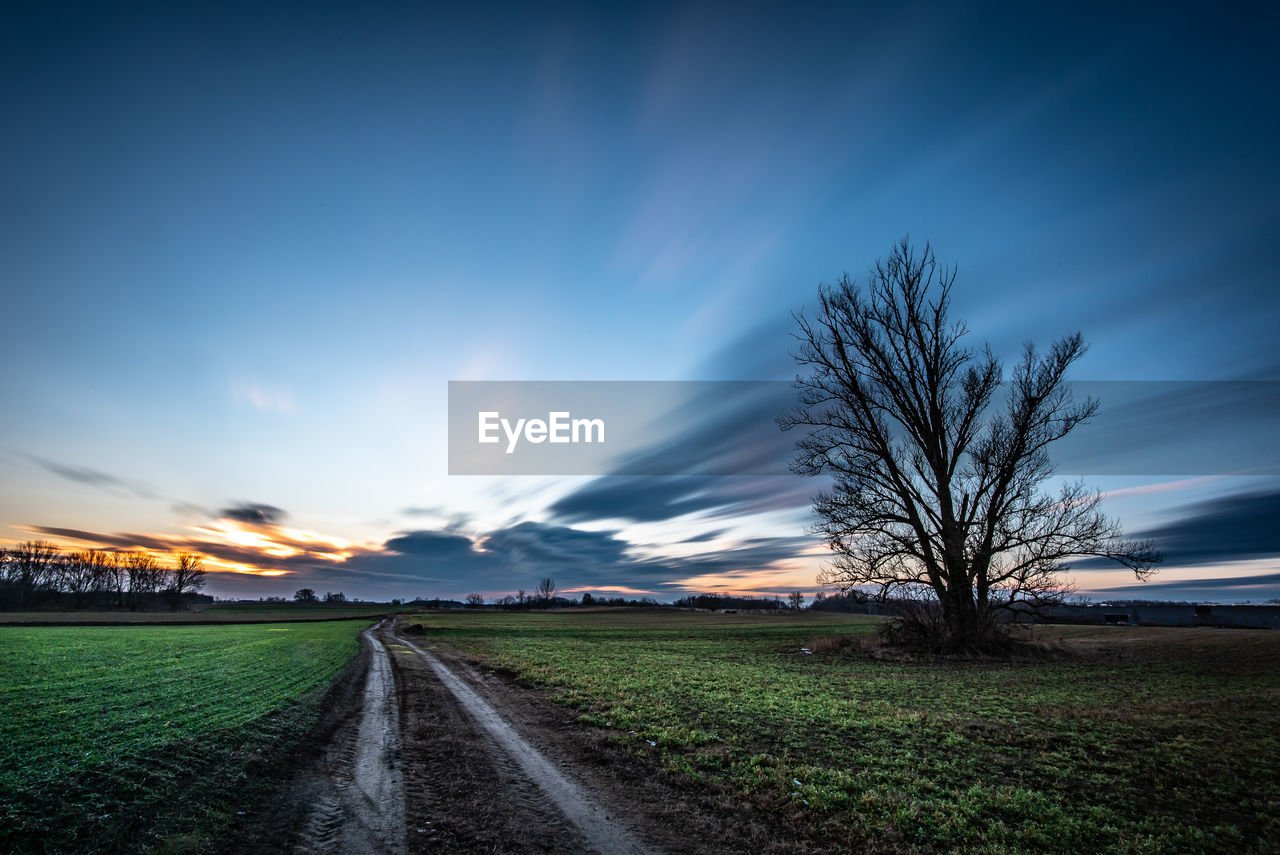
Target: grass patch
111 737
302 609
1131 740
218 613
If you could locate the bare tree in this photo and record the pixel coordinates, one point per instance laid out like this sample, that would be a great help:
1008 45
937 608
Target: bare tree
305 595
30 569
521 597
475 601
796 600
116 574
187 577
335 597
936 485
100 566
546 589
79 572
146 578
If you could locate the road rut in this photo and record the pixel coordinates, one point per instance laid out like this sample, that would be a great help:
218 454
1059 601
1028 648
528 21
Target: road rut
359 804
598 829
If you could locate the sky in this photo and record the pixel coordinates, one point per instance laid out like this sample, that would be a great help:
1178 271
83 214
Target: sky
244 249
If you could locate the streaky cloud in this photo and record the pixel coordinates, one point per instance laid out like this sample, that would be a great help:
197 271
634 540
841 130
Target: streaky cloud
1260 586
1228 528
93 477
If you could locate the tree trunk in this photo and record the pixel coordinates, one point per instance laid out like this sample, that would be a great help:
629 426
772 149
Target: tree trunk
968 629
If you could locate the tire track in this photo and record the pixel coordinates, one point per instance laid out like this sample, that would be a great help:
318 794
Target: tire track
361 807
600 831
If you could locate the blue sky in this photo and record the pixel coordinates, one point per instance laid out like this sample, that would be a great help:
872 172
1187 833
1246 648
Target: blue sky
244 249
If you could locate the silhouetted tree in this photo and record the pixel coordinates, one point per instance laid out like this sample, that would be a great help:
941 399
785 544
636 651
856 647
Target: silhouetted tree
102 576
796 600
305 595
335 597
30 569
187 577
475 601
146 578
78 573
936 498
546 589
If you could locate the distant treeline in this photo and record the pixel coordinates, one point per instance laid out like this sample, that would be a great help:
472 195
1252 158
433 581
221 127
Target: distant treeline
516 602
39 575
544 596
855 603
794 601
725 601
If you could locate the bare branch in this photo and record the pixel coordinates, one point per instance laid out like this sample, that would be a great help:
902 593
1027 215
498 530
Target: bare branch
936 486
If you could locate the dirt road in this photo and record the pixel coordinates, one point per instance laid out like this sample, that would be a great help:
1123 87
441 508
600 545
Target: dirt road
421 751
358 793
416 755
589 819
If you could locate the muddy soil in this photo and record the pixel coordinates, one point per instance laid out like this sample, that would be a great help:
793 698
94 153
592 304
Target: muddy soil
357 791
422 751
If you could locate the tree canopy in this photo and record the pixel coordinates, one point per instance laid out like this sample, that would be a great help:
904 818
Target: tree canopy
936 463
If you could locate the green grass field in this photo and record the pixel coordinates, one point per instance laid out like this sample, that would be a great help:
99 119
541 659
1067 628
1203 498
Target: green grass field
318 609
111 735
217 613
1135 740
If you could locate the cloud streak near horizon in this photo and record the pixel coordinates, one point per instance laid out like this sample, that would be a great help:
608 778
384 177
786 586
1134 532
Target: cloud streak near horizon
445 562
1234 527
448 562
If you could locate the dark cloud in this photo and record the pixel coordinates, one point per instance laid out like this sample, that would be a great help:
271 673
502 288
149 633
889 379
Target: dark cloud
121 540
253 513
730 428
430 544
1260 587
507 558
732 431
603 558
637 498
540 543
93 478
656 498
516 556
1228 528
448 563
